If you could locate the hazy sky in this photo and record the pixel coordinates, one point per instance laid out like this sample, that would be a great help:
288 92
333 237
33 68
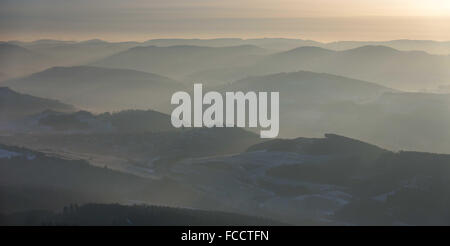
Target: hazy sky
323 20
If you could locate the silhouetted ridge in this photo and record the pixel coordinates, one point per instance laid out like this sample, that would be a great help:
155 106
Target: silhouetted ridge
137 215
308 49
373 49
332 144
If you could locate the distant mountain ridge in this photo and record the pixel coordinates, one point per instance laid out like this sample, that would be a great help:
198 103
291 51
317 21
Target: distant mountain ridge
226 60
430 46
406 70
71 53
178 61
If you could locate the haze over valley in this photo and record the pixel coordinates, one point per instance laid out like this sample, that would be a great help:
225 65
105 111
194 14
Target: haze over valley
85 113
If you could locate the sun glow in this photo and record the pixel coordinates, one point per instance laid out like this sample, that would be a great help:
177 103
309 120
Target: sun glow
434 7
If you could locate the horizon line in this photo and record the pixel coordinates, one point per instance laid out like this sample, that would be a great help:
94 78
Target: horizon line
216 38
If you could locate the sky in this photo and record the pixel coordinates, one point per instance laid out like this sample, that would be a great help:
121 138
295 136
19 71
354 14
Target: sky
139 20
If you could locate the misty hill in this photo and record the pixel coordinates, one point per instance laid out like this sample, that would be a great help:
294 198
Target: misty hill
409 70
331 180
312 104
408 121
136 215
101 89
34 180
143 149
429 46
305 97
14 105
426 114
145 154
388 184
18 61
305 88
70 53
9 50
178 61
386 66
